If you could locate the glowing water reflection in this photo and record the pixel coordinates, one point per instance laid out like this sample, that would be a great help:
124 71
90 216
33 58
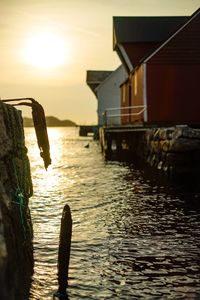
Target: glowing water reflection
132 237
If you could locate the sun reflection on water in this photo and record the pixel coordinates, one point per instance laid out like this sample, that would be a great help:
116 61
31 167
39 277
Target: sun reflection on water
51 179
54 140
129 238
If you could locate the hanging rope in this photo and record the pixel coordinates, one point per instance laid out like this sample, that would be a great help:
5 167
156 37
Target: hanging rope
40 126
19 200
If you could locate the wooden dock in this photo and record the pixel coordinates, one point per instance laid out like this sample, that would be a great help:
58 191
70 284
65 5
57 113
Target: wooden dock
86 130
120 141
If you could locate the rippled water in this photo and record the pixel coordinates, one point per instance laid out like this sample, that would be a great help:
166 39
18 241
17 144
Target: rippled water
133 236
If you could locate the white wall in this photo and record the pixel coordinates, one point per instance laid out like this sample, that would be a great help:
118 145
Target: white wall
108 95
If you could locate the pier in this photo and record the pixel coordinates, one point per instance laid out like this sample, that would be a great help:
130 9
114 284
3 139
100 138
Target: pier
173 150
120 142
150 109
86 130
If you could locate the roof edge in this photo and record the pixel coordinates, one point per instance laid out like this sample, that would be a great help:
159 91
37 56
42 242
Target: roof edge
172 36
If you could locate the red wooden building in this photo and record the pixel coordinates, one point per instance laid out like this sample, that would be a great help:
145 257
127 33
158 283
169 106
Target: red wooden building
163 83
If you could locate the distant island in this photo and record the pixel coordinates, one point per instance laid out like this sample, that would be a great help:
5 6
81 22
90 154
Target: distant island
51 122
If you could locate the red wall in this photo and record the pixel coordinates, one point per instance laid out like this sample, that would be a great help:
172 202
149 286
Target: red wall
173 93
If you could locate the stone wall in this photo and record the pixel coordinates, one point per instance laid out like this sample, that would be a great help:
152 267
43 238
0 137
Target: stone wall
173 150
16 251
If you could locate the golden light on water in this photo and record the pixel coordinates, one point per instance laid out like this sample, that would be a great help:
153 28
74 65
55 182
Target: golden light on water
51 179
46 50
55 147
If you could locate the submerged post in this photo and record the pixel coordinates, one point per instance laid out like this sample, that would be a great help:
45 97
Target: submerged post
64 253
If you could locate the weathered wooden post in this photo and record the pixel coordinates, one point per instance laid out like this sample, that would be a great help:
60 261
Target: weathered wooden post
64 253
105 118
108 143
119 145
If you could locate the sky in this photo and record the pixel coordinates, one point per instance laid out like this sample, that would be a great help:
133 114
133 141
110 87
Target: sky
82 32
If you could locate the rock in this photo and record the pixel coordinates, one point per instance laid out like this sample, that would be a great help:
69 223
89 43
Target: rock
186 132
16 249
183 144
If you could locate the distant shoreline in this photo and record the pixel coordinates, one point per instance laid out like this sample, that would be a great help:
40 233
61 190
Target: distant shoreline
51 122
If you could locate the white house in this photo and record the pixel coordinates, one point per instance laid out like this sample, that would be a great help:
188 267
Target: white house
108 94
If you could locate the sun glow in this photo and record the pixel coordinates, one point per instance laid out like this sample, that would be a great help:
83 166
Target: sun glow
46 50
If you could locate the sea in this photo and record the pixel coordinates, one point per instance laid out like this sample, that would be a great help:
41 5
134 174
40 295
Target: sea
135 233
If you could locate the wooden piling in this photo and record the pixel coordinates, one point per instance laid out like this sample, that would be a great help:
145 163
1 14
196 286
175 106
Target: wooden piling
64 252
108 147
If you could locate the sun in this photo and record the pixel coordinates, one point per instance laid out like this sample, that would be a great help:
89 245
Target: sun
46 50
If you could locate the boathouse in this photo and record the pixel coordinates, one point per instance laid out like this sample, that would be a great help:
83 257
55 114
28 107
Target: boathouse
159 107
93 80
167 81
135 38
106 87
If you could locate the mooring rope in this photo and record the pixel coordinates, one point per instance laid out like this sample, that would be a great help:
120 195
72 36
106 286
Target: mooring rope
19 200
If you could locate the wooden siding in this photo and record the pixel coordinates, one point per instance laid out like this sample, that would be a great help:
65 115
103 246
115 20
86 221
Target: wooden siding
173 94
132 94
182 48
137 93
125 101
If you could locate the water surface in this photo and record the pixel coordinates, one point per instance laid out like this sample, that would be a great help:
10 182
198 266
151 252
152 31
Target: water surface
134 237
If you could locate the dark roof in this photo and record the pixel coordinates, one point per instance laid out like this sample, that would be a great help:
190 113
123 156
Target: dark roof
183 46
94 78
144 29
97 76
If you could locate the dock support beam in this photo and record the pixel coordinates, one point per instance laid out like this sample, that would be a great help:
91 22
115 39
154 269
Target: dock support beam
64 253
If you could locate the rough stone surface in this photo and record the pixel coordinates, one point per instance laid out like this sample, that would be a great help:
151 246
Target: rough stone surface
16 251
174 150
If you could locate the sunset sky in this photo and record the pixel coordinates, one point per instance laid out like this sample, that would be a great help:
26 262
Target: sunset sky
80 33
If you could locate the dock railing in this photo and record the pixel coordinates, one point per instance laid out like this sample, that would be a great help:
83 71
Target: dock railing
109 114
